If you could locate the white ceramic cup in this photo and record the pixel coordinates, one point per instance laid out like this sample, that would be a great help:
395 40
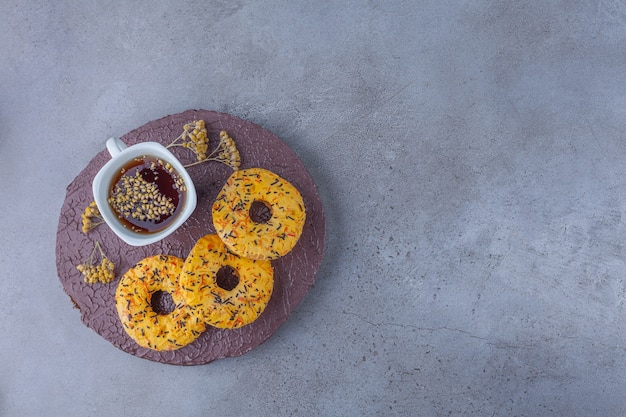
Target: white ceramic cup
121 155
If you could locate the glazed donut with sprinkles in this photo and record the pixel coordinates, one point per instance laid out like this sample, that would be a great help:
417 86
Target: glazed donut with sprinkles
258 214
228 291
139 293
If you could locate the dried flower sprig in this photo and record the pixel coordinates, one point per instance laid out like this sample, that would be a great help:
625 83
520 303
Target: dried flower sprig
226 153
92 272
91 217
195 137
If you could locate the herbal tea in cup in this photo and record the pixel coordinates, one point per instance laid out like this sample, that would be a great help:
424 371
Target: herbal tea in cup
143 193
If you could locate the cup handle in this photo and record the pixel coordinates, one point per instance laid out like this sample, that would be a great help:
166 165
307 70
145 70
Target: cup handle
115 146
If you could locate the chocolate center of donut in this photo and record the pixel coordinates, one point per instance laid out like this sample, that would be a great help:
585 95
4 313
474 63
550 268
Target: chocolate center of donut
162 303
260 212
227 278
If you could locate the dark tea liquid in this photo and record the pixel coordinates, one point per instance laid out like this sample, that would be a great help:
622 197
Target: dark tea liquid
147 195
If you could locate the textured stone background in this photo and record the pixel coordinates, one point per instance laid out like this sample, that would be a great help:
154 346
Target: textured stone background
471 159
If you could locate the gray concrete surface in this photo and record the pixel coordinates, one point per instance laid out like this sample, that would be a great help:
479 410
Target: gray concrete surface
471 157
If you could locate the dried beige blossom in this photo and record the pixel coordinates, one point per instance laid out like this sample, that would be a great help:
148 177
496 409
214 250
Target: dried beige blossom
101 272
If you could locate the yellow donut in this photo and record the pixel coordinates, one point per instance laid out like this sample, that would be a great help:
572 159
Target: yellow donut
135 303
258 214
228 291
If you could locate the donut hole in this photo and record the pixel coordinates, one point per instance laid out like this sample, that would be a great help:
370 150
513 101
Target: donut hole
260 212
162 303
227 278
